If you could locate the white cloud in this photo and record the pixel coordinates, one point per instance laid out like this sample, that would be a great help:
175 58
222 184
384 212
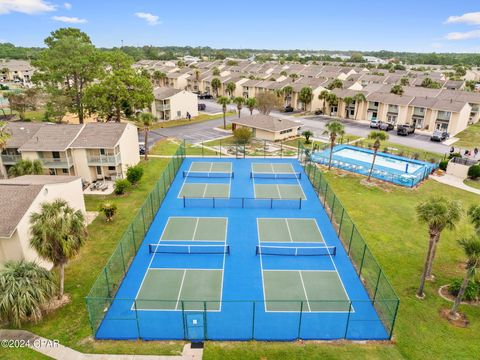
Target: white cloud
474 34
25 6
149 18
472 18
67 6
70 20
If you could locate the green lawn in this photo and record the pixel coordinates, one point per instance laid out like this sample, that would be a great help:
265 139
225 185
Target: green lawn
70 324
169 146
469 138
403 150
473 183
197 119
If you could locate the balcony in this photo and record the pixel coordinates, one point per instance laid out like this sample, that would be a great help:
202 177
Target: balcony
163 107
57 163
107 160
419 112
10 159
372 106
443 116
392 109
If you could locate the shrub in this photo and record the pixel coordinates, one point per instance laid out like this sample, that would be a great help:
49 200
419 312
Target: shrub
474 171
121 186
471 292
242 135
415 156
443 165
109 209
452 155
134 174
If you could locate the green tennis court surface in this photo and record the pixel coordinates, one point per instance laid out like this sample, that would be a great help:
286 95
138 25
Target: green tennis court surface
177 289
279 191
289 230
210 167
273 168
201 190
195 229
285 289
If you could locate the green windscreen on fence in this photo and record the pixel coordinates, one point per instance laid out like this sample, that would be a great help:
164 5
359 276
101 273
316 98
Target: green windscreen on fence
383 296
108 281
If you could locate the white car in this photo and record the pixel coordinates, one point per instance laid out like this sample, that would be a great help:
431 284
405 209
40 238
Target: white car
374 123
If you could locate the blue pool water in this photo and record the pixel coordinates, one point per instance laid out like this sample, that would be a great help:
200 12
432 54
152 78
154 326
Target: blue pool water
388 167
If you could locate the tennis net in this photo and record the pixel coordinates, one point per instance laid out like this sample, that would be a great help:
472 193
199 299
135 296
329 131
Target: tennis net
188 249
208 174
296 250
260 175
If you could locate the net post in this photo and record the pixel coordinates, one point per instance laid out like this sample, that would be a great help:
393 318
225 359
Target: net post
334 251
271 203
341 222
376 285
363 258
213 201
184 204
243 203
300 203
348 319
300 319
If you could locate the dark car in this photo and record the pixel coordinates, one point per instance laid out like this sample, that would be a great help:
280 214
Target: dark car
439 135
405 130
318 112
288 108
385 126
141 150
202 107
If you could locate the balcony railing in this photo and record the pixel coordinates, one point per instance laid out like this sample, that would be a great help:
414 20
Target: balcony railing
57 163
393 109
443 117
163 107
108 160
419 112
10 159
372 106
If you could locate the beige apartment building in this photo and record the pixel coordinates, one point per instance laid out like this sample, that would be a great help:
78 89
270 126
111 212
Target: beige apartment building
91 151
16 70
266 127
22 196
173 104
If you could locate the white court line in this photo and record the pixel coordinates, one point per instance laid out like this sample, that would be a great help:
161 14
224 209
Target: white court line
278 191
261 270
304 290
205 190
273 169
180 290
211 166
289 232
195 229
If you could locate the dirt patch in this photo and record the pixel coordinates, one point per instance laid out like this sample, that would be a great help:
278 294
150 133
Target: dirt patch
56 303
461 320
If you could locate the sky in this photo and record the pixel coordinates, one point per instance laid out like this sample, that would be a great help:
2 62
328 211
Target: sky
406 25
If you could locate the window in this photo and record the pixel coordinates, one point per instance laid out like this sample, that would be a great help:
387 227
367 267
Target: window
285 131
111 168
65 171
102 151
179 114
55 154
99 170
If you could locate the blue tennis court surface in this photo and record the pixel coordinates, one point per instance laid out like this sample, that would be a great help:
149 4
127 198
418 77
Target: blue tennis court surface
240 250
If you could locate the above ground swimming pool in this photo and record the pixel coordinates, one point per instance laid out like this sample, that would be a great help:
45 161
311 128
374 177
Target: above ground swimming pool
388 167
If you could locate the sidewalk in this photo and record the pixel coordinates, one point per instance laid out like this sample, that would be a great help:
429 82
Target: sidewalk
455 182
57 351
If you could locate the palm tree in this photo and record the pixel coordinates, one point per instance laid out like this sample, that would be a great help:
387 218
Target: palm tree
335 84
438 213
397 90
24 288
251 103
474 215
26 167
333 129
239 101
230 87
224 101
197 78
359 98
305 96
378 137
293 77
146 120
348 100
58 233
332 100
216 71
159 77
287 93
324 96
216 83
307 134
471 248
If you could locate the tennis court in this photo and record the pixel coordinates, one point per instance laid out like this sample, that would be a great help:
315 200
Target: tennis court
210 272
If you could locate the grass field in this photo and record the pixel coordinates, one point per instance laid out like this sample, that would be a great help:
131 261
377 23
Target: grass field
169 146
469 138
197 119
403 150
70 324
473 183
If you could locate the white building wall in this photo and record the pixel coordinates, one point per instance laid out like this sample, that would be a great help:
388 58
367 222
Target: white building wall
129 150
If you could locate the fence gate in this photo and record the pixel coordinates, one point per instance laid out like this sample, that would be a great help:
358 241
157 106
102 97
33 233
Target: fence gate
195 326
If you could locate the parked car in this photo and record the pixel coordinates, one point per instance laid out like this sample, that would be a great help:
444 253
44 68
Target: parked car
405 130
439 135
374 123
205 96
141 148
288 108
385 126
318 112
202 107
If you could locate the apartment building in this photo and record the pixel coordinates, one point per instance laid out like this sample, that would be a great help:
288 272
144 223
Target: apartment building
173 104
91 151
22 196
16 70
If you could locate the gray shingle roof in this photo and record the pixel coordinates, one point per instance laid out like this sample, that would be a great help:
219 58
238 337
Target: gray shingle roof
267 122
161 93
39 180
99 135
20 133
52 137
14 202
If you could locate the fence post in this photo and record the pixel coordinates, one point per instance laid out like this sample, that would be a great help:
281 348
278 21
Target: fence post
376 285
341 222
133 236
393 321
351 237
185 333
333 206
300 319
143 220
136 317
348 319
205 333
363 258
106 279
123 260
325 196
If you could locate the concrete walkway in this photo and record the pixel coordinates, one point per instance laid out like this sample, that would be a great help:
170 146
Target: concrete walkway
455 182
57 351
